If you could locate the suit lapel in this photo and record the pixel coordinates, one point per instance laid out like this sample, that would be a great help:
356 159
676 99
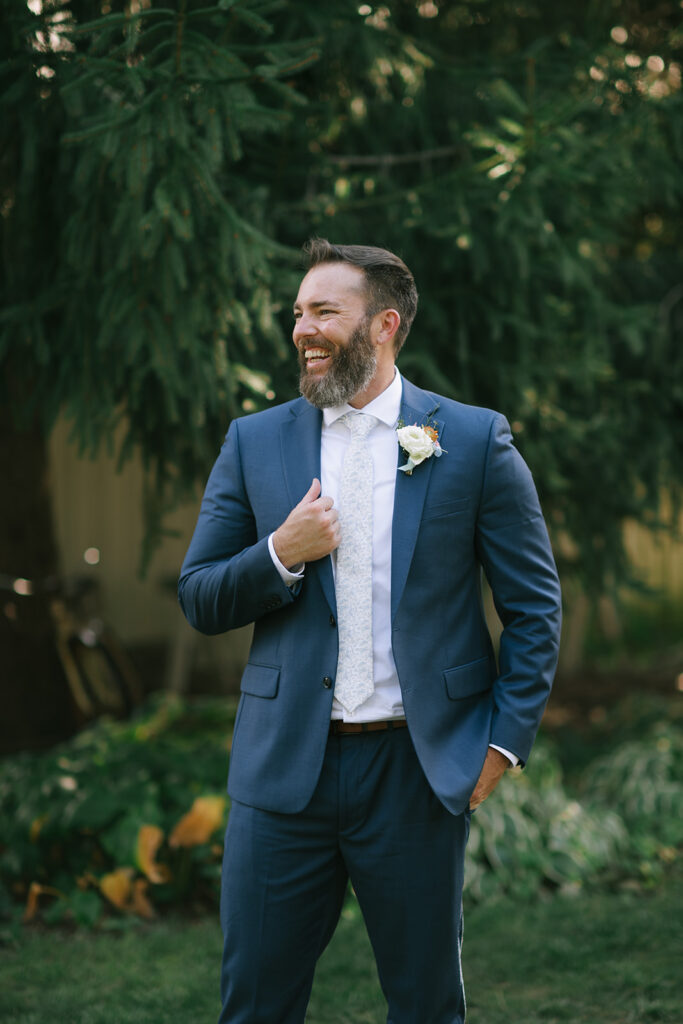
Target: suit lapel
300 453
418 407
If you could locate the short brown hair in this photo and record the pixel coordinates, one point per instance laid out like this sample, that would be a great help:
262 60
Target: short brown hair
390 285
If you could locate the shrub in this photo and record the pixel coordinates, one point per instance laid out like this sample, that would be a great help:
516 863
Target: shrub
126 818
644 779
620 823
534 833
124 815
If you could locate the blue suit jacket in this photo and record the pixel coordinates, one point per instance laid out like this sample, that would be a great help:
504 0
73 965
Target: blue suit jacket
474 507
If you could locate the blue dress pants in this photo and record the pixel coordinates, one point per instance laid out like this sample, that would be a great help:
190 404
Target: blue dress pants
373 819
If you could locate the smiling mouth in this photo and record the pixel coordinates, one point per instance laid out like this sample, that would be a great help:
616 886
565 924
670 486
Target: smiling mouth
315 356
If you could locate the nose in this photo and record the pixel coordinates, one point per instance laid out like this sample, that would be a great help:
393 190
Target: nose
304 327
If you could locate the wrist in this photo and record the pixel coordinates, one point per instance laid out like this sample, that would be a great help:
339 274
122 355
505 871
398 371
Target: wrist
283 551
289 577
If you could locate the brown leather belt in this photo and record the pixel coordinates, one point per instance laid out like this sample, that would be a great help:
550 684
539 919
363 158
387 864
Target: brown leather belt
337 727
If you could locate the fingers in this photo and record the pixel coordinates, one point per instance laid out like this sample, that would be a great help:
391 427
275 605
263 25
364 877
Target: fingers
312 493
310 531
492 772
335 528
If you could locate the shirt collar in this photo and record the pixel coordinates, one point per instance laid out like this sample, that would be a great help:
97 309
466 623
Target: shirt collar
386 407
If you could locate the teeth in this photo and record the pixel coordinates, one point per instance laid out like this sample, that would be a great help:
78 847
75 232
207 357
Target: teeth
316 353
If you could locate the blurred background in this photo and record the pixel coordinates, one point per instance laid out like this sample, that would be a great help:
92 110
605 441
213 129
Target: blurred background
160 166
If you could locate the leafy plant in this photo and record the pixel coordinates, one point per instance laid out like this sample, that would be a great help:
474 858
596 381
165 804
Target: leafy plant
643 778
123 815
621 822
534 833
124 819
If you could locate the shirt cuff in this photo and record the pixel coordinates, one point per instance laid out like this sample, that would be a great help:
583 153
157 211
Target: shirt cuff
288 576
512 758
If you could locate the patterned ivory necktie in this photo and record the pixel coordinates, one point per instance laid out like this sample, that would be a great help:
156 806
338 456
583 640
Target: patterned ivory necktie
353 582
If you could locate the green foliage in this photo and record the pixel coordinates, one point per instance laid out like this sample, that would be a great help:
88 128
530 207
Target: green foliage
644 779
161 166
608 957
137 277
535 833
94 823
649 631
78 815
620 821
526 164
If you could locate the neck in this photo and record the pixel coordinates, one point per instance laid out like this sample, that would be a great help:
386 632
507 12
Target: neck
379 383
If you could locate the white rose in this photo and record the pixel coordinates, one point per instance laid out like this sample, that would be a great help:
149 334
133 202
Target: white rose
416 442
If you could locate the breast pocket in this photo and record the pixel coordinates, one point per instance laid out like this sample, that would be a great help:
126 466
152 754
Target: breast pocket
445 508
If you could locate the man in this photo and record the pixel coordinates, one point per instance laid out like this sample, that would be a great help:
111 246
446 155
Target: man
373 717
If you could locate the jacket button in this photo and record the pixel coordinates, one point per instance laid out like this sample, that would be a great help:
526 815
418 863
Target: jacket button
333 621
327 682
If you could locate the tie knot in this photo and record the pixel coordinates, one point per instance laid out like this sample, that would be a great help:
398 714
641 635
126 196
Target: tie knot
359 423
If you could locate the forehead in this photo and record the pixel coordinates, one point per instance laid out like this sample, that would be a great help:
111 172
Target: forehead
338 283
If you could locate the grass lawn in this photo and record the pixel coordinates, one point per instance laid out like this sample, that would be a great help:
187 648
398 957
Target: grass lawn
591 959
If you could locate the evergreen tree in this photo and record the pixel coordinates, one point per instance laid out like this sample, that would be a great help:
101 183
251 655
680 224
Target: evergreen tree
161 161
137 276
525 160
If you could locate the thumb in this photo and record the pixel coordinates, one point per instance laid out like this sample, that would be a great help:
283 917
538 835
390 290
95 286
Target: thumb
312 493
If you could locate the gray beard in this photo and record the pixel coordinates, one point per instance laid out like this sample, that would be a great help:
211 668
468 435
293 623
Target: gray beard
352 369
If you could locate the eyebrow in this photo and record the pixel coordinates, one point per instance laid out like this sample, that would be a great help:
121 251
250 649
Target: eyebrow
317 304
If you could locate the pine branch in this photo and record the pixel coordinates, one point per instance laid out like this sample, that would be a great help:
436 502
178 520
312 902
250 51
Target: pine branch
389 159
179 36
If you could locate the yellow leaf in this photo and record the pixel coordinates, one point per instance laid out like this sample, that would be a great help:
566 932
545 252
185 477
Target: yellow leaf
141 905
117 887
150 838
200 822
35 892
31 908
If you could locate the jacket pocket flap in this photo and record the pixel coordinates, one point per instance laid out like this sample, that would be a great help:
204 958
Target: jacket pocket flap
445 508
260 680
466 680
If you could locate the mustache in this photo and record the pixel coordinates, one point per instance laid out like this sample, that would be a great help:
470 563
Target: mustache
303 345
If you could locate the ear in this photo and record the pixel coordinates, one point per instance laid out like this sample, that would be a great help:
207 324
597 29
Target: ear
385 325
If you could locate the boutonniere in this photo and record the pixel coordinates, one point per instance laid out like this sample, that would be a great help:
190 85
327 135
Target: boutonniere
419 443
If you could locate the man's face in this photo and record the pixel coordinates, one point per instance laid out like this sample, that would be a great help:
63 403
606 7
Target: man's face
332 335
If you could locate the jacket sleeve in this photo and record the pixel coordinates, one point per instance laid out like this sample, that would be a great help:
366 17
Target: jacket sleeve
228 578
514 550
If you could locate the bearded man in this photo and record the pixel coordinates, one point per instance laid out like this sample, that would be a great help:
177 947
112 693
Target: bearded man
351 526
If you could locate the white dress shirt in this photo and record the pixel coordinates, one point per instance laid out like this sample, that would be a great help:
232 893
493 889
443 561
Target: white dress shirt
386 701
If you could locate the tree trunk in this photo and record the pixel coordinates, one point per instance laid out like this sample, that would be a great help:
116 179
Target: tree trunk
35 706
